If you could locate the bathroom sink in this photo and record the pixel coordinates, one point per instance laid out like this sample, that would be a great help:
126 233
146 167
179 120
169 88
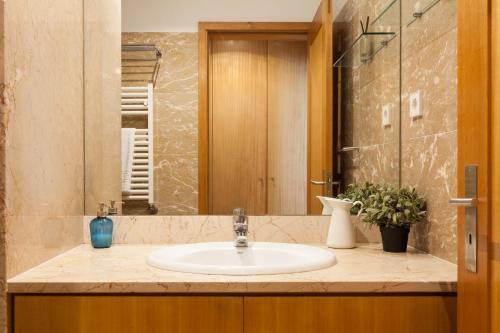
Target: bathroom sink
258 258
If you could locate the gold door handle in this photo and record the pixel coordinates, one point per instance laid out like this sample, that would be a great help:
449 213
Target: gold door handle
317 182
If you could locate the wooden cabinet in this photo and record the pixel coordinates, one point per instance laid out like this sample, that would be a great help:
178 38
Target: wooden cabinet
235 314
127 314
353 314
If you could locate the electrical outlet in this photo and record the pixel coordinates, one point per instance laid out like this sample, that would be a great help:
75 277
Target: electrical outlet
416 110
387 115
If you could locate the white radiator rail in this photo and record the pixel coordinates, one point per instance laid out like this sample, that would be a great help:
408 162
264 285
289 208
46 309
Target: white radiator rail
138 101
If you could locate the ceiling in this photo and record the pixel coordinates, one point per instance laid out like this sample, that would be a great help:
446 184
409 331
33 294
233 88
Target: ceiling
184 15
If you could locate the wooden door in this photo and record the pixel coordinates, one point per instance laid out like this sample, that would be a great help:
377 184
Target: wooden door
495 227
476 147
131 314
287 128
320 129
238 126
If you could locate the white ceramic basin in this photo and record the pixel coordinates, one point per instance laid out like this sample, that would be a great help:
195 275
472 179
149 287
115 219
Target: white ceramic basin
258 258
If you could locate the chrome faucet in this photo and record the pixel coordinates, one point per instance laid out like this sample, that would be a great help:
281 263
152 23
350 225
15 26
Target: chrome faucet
240 227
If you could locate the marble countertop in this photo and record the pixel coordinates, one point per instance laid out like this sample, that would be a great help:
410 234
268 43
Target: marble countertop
123 269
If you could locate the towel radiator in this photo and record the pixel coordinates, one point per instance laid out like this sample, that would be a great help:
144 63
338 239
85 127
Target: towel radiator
138 102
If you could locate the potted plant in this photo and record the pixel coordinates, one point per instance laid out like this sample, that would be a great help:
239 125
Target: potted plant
358 192
394 211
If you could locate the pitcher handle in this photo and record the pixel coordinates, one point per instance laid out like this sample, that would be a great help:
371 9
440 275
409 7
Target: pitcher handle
360 204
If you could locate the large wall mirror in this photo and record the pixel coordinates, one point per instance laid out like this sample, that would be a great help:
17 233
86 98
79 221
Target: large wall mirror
261 116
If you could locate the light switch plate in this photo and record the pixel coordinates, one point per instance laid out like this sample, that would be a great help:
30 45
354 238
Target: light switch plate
416 110
387 115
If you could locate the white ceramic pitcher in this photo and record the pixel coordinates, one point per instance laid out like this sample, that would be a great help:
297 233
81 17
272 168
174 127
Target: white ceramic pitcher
341 234
327 209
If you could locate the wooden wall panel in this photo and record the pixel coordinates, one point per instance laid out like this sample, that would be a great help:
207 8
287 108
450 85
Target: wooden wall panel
392 314
287 128
238 126
131 314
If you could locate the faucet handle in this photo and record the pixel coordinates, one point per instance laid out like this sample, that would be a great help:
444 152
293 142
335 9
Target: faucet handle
113 210
239 212
239 216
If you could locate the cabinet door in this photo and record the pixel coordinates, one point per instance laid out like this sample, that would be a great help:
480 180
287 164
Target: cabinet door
356 314
238 126
287 128
119 314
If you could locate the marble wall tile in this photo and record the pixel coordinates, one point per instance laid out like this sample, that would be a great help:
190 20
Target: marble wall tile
174 127
35 239
44 139
42 155
439 20
366 89
385 61
429 165
377 163
102 102
433 72
429 147
173 175
367 118
191 229
427 48
176 123
5 109
4 112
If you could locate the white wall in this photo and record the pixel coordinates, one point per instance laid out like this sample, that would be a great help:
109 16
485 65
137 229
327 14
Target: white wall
184 15
337 7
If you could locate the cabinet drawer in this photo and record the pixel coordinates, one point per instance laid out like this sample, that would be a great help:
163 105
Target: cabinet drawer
119 314
353 314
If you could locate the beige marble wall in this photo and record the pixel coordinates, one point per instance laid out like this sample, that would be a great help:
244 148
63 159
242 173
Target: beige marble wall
4 110
41 133
44 139
176 123
190 229
429 154
102 102
427 49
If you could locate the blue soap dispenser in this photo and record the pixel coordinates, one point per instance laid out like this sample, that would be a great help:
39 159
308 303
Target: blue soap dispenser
101 229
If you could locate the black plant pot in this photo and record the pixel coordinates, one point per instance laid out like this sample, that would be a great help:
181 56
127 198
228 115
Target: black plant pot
394 239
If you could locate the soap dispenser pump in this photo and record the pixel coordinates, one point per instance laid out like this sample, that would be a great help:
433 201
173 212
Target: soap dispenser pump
101 229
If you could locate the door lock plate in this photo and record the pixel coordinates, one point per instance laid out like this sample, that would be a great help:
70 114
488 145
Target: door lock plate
471 219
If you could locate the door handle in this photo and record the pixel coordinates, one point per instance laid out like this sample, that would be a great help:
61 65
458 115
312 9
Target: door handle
347 149
470 203
318 182
464 202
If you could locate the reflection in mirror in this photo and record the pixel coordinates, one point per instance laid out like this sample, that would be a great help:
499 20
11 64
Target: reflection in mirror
256 152
367 71
243 115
